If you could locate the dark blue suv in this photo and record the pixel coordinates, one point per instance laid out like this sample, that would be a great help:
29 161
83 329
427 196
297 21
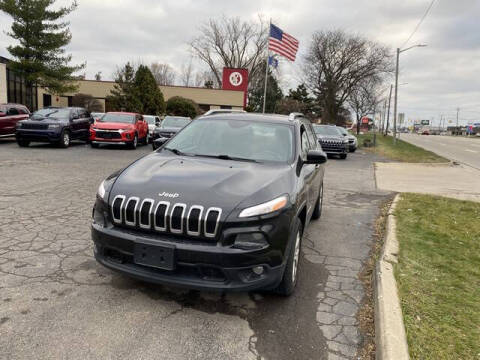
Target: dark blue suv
55 125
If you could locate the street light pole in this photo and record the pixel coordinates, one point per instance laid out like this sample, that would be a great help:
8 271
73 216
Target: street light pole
396 90
395 105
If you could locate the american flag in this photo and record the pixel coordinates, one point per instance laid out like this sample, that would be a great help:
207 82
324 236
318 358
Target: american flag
282 43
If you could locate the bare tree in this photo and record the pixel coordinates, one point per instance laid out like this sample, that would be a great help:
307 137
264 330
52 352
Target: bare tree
336 62
186 75
230 42
163 73
363 98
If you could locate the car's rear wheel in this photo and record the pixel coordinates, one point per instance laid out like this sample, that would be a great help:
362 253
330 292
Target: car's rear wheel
290 275
317 211
65 139
23 143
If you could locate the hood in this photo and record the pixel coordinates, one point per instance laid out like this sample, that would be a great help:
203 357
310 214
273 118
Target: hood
208 182
44 120
168 129
112 125
330 137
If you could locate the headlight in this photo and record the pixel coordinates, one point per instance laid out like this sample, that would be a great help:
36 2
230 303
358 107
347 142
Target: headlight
101 189
345 141
53 126
265 208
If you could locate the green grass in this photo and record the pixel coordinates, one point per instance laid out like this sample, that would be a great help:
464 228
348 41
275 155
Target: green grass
438 276
402 151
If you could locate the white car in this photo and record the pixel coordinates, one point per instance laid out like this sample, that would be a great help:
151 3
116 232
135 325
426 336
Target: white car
153 121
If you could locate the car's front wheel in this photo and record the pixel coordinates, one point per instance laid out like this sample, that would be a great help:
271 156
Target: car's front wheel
290 275
343 156
317 211
65 139
23 143
134 143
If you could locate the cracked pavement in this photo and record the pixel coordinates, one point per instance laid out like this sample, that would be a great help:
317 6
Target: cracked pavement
57 302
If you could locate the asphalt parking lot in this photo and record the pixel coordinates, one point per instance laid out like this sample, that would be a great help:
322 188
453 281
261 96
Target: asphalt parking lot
56 302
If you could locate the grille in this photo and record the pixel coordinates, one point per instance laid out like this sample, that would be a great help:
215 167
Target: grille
177 218
26 125
107 134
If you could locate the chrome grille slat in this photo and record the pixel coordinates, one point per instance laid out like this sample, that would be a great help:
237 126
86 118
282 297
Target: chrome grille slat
172 229
149 225
161 228
161 216
206 233
134 222
199 226
120 219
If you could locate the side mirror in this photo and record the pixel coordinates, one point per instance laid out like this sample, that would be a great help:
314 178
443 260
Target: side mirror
159 142
344 134
91 120
316 157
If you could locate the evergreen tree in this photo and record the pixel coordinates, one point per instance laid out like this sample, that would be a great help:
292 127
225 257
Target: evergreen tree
255 93
179 106
122 97
39 55
147 92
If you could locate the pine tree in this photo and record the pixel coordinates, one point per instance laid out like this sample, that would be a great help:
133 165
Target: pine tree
147 92
39 55
255 93
122 97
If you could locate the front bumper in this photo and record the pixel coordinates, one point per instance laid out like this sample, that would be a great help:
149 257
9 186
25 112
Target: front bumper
115 137
38 135
335 149
198 266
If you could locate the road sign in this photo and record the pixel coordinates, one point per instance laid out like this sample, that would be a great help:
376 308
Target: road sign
425 122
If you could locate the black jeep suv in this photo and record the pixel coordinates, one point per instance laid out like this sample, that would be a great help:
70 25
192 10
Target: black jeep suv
220 206
55 125
332 140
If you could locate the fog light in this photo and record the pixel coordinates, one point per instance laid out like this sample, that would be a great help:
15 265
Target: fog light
258 270
128 136
250 241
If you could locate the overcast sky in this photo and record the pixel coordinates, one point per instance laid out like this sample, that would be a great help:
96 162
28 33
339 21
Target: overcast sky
441 77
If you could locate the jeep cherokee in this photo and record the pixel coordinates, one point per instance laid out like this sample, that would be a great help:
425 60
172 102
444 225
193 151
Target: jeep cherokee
220 206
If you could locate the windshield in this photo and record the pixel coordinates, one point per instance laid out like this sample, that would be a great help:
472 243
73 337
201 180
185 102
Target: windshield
326 130
244 140
342 130
174 122
118 118
149 119
52 113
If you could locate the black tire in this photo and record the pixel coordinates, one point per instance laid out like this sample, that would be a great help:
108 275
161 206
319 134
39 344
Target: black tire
23 143
146 140
133 145
290 275
64 139
353 150
95 146
343 156
317 210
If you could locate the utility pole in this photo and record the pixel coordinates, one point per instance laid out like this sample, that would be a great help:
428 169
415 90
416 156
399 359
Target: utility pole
458 110
388 111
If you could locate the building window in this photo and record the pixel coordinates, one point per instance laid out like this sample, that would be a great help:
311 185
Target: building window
70 101
19 93
225 107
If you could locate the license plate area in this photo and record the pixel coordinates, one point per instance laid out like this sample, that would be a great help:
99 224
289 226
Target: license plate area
157 256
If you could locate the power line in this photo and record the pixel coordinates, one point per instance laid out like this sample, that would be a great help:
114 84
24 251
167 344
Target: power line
418 25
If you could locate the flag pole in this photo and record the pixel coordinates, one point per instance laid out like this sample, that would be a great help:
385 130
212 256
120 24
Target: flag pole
266 68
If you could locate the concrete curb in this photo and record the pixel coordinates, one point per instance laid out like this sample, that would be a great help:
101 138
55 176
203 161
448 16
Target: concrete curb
390 337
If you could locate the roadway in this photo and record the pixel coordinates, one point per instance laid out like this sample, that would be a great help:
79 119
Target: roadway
460 149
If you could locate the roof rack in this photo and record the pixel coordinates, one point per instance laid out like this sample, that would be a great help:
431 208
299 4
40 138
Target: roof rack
292 116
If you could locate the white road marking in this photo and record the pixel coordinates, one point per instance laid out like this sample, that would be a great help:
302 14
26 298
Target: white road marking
473 151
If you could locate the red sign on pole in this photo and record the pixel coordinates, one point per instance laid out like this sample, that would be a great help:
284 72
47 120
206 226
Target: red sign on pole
236 79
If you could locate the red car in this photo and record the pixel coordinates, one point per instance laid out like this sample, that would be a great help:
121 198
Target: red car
10 114
120 128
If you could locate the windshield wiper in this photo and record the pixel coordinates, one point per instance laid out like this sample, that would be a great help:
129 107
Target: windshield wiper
228 157
176 151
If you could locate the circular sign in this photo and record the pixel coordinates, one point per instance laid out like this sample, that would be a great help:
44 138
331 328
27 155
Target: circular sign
236 78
